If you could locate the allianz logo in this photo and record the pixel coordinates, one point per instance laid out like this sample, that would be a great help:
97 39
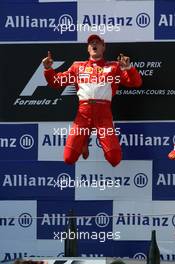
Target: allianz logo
163 257
142 140
124 139
54 140
166 179
132 219
167 20
29 22
23 220
25 141
101 220
24 180
142 20
8 142
167 257
8 221
106 20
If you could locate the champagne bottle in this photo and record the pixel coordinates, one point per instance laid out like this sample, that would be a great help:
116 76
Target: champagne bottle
154 253
70 245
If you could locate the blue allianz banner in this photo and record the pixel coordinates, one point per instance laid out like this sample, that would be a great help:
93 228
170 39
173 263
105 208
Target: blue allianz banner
146 140
96 249
135 249
18 141
138 250
34 21
91 217
163 179
164 19
41 180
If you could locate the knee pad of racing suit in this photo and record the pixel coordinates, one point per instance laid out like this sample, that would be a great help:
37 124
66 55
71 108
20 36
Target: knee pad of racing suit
70 155
113 156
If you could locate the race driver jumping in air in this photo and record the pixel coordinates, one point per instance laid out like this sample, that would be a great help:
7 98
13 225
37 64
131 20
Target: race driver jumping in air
96 81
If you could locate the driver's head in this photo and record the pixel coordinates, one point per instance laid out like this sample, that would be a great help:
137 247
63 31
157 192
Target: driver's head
96 47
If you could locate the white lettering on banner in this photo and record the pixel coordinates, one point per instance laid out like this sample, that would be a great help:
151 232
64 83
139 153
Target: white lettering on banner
146 72
101 220
19 101
15 180
145 92
27 22
141 140
54 219
166 179
138 64
154 64
135 92
7 142
61 219
150 66
167 20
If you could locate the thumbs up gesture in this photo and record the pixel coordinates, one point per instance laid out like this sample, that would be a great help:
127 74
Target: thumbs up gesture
48 61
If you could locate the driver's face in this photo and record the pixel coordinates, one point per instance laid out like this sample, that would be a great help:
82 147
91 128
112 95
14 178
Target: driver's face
96 48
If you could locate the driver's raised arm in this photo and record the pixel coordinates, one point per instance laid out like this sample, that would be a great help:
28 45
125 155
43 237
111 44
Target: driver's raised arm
57 80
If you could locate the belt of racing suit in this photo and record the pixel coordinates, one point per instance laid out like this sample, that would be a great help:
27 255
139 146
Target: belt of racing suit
94 101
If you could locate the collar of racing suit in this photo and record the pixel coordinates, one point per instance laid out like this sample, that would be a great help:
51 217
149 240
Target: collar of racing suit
100 62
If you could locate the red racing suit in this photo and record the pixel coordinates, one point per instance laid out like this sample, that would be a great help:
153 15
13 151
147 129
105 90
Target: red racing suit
96 83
